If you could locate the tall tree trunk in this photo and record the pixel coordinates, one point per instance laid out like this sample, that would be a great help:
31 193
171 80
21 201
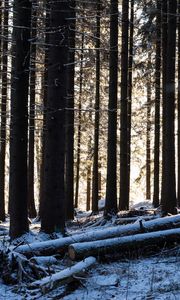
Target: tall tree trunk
168 200
3 110
53 206
19 119
157 105
111 184
88 199
164 37
95 188
124 170
178 150
69 190
79 124
148 133
130 87
45 88
31 202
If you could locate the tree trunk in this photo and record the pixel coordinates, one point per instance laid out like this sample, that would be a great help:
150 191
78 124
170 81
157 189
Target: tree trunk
3 110
168 200
60 245
157 105
63 277
148 133
111 184
45 88
118 246
31 202
178 150
79 124
164 37
130 87
53 206
19 119
88 200
69 186
95 188
124 170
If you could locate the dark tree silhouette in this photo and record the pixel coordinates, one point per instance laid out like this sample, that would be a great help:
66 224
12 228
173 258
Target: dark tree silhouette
157 106
3 109
148 132
69 190
31 203
53 205
19 119
168 200
178 144
95 188
124 169
111 185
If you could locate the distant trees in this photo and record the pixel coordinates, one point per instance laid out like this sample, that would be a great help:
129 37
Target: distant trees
71 116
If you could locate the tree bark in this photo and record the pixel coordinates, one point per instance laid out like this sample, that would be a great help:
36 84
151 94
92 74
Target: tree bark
63 277
119 245
124 170
157 105
31 202
3 109
69 172
111 183
178 145
95 188
79 124
148 133
169 200
53 206
19 119
60 245
130 88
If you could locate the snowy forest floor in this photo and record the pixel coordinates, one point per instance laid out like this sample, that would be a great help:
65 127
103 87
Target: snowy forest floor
148 275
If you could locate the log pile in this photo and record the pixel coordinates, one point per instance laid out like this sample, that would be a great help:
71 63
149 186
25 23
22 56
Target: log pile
61 245
34 263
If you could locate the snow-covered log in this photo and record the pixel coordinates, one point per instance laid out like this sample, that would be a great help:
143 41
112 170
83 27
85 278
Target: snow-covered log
60 245
120 244
43 260
62 277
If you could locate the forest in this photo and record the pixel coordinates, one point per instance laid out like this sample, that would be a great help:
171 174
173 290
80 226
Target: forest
89 149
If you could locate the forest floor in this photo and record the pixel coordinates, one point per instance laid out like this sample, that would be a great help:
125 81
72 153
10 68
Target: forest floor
146 276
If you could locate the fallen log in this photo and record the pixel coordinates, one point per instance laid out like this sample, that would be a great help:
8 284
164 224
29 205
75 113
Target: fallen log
61 245
50 282
128 220
117 245
44 260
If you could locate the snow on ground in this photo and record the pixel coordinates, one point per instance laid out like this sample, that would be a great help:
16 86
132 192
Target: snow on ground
152 278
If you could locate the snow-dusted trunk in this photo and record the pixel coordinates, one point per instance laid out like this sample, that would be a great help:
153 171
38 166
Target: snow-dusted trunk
121 244
60 245
168 171
48 283
19 118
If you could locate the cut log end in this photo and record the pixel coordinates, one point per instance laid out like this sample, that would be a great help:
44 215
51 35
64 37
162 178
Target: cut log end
72 253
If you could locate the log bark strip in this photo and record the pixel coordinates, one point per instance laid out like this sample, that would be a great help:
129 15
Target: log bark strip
48 283
117 245
61 245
